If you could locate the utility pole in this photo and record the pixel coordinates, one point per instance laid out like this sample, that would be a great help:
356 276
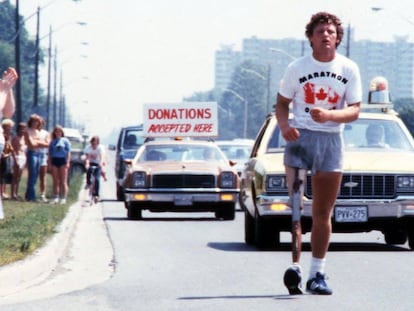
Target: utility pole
18 98
269 75
36 77
348 41
55 88
49 69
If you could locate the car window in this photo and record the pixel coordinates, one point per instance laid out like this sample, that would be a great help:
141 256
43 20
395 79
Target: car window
276 141
362 133
181 153
133 139
366 133
235 152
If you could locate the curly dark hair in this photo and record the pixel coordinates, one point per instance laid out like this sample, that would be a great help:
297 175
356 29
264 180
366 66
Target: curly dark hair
325 18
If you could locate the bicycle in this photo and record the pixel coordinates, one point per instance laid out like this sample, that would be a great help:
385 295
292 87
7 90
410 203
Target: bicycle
92 195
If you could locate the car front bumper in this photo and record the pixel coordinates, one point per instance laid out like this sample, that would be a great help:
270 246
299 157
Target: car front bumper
396 208
181 197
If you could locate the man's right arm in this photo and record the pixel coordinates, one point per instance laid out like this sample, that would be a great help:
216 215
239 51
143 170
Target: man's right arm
282 115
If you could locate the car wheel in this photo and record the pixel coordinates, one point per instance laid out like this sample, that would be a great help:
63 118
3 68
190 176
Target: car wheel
266 234
119 193
134 212
411 238
395 236
226 211
249 229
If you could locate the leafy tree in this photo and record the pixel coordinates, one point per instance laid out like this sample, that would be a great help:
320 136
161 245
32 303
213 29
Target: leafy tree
248 86
405 108
8 34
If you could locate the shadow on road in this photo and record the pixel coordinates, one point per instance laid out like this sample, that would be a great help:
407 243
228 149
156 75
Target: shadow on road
164 219
334 247
279 297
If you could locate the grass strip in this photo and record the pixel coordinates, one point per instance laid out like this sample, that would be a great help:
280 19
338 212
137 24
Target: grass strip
28 225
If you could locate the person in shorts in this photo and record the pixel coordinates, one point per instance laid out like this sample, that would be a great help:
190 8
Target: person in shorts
325 91
7 158
19 146
45 137
59 161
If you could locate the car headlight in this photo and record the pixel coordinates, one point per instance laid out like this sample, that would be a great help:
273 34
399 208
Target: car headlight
275 183
405 182
139 179
227 180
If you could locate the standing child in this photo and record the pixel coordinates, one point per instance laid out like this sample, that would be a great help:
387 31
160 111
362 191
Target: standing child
19 146
7 159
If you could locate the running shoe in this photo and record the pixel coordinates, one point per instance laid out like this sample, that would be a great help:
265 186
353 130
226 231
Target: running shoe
293 280
318 286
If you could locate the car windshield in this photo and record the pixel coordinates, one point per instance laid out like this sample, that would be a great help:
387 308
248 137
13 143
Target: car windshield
362 133
183 153
236 152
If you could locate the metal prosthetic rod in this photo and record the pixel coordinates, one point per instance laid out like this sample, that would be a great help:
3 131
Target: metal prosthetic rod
297 205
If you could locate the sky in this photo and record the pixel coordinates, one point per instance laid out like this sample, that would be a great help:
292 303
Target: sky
132 52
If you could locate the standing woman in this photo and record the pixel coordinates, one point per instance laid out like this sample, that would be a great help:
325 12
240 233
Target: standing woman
34 156
7 106
59 160
45 137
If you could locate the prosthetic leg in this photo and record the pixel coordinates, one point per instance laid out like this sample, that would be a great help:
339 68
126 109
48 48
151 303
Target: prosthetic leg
292 278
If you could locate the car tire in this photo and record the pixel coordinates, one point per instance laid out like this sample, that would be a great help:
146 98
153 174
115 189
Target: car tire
410 235
134 212
395 236
266 234
249 228
226 211
119 193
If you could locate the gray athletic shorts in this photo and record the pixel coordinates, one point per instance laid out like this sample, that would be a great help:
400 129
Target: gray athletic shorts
315 151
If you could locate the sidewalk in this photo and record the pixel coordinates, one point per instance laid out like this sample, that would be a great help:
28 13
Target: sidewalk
65 263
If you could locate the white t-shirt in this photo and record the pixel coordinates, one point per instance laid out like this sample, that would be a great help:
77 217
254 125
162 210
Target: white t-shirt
330 85
97 155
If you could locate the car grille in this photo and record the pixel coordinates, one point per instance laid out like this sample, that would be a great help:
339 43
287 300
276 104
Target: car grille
183 181
360 186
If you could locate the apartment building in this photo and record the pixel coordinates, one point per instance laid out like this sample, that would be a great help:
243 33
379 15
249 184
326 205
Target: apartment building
393 60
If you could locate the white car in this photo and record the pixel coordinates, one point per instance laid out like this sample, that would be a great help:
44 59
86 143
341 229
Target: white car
376 192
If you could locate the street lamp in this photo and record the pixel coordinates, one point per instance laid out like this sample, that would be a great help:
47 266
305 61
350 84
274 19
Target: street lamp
244 100
283 52
377 9
266 79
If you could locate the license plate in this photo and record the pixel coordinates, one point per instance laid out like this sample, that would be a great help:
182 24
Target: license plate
183 200
351 214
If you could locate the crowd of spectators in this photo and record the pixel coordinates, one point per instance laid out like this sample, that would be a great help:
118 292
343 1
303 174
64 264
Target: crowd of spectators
31 148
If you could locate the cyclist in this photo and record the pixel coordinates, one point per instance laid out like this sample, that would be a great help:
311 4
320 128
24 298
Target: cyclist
95 157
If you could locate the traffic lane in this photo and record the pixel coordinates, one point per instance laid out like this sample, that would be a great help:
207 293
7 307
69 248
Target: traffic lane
190 261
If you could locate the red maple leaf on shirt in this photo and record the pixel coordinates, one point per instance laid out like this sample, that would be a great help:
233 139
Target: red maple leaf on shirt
321 95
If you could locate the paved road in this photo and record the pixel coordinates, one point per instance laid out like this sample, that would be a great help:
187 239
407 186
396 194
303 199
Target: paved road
194 262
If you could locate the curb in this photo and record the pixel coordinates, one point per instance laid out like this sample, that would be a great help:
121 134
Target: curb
34 269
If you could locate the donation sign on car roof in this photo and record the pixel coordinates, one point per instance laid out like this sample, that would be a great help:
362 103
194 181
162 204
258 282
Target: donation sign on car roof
193 119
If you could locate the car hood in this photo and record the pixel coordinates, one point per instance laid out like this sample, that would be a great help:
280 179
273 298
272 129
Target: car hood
174 167
379 161
369 160
129 153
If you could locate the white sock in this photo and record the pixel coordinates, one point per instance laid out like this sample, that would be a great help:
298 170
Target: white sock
317 265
